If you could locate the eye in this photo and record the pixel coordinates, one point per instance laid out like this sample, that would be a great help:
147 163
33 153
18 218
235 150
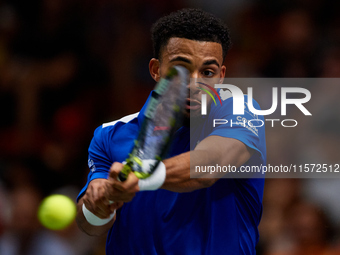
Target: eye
208 73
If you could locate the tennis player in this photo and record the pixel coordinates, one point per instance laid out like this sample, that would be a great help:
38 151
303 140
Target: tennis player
172 213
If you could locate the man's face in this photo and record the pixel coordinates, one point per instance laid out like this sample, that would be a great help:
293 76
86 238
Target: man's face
202 59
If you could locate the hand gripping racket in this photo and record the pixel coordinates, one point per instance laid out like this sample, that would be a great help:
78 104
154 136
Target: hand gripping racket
163 115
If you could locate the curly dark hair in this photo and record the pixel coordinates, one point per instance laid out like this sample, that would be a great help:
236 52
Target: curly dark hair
192 24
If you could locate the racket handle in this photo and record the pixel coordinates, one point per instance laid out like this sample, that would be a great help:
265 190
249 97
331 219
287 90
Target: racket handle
121 177
123 174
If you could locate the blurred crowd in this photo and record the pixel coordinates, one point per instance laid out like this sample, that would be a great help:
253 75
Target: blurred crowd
68 66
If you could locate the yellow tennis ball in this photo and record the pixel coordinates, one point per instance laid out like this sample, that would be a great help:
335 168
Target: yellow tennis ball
56 212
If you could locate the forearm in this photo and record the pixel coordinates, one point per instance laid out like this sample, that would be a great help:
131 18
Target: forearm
211 151
86 227
178 173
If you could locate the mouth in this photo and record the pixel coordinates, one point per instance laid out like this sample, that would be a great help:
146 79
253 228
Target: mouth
192 104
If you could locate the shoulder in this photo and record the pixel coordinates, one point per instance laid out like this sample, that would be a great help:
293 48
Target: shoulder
123 120
126 126
112 127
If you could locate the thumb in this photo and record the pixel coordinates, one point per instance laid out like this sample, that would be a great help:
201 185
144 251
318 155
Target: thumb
115 168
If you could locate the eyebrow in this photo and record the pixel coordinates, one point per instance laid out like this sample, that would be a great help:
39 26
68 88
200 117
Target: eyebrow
211 62
206 63
181 59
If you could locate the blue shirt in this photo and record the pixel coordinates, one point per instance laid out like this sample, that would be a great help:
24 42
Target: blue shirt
221 219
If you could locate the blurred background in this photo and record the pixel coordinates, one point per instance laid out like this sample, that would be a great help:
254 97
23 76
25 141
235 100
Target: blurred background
67 66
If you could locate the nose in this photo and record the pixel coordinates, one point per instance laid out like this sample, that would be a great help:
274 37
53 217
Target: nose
194 75
193 85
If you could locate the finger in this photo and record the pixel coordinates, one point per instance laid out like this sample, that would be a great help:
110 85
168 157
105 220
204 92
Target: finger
102 200
115 169
99 205
120 196
102 210
110 190
130 185
93 193
113 194
92 207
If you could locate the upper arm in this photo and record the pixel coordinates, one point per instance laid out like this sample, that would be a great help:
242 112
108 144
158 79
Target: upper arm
225 151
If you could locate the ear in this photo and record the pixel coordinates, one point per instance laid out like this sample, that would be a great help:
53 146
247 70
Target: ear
222 73
154 69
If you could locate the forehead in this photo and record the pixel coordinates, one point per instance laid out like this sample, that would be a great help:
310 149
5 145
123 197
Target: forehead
192 49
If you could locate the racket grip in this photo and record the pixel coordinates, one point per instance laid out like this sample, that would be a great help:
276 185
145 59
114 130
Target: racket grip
123 174
121 177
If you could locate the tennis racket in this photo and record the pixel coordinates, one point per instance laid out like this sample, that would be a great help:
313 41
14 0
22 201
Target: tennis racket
163 115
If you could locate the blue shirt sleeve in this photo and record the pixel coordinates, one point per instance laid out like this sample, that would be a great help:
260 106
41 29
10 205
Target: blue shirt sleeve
248 128
99 162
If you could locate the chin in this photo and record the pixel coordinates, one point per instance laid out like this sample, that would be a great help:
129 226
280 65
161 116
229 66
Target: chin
195 114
